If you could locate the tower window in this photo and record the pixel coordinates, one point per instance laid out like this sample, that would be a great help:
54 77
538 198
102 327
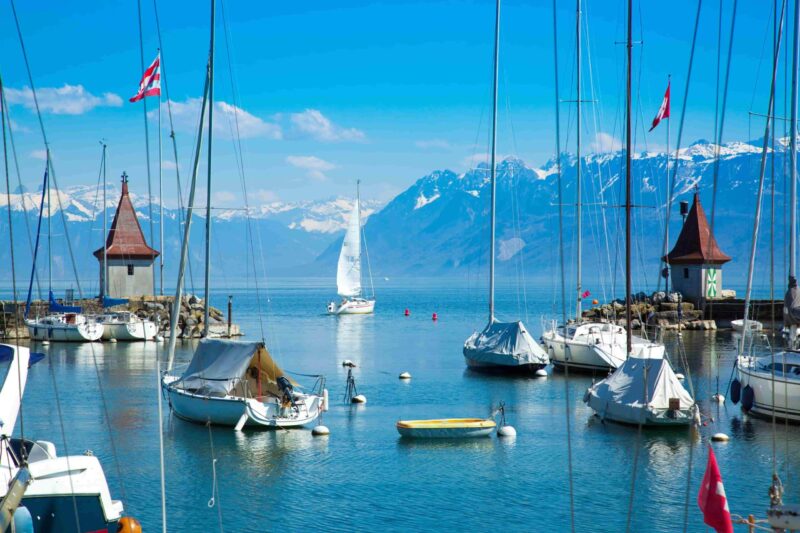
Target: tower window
685 272
130 270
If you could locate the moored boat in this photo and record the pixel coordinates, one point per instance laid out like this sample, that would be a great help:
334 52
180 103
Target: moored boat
753 325
770 385
446 428
64 327
126 326
504 346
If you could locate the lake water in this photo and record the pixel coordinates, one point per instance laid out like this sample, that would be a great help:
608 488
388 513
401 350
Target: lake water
364 477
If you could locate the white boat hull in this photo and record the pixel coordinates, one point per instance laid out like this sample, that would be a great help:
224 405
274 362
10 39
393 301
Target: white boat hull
599 352
646 416
88 332
129 331
352 307
228 410
754 325
786 405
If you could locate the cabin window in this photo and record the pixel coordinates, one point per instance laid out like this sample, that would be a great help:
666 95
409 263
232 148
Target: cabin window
130 270
685 272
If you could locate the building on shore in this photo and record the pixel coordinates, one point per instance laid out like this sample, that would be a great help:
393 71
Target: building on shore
696 259
129 260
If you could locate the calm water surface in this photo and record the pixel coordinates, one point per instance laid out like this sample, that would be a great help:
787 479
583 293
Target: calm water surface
364 477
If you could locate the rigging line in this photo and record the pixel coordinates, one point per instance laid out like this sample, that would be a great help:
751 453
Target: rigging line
215 499
567 401
64 440
676 166
3 122
146 137
5 110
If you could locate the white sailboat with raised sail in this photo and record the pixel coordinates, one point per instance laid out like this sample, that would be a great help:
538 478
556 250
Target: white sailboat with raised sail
589 346
348 270
501 346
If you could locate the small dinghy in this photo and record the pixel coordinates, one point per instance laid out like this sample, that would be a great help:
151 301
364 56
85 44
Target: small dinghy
753 325
446 428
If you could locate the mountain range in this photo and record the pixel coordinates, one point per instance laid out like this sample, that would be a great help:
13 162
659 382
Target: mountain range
440 224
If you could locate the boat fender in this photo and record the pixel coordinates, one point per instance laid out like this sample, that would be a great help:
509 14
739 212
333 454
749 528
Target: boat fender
324 406
748 398
736 391
23 521
128 524
719 437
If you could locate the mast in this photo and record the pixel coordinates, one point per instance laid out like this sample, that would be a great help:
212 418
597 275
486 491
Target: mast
206 300
49 238
160 196
579 222
358 216
104 289
793 149
494 161
629 47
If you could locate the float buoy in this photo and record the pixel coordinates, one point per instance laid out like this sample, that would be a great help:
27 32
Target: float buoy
406 312
348 362
541 373
506 431
405 375
595 302
720 437
719 398
112 340
45 343
435 317
359 398
128 524
736 391
680 376
748 398
320 431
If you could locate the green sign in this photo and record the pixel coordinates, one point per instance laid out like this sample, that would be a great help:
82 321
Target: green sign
711 283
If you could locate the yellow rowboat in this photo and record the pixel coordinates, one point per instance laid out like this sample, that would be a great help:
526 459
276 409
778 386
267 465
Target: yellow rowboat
446 428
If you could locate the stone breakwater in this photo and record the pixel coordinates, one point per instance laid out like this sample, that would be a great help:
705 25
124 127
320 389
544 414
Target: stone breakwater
154 308
658 310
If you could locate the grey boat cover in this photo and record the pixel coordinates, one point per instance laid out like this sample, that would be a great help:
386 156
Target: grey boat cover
504 344
218 366
639 391
791 305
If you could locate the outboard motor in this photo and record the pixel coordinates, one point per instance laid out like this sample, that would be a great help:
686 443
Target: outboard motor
748 398
331 307
736 391
288 391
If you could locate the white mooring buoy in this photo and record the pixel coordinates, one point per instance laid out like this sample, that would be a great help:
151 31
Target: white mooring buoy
506 431
349 363
720 437
405 375
541 373
719 398
320 431
359 398
112 340
680 376
45 343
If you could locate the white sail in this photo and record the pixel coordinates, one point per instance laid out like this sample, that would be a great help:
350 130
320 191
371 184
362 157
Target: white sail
348 274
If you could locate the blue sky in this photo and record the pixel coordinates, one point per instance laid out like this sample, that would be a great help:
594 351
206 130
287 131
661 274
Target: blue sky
382 91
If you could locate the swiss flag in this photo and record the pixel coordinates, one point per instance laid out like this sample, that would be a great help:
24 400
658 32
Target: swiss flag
663 111
711 498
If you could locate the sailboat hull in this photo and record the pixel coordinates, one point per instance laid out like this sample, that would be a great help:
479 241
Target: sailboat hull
353 307
595 348
786 387
64 332
129 331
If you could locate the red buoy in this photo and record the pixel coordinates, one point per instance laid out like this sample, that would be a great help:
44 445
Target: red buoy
407 312
435 317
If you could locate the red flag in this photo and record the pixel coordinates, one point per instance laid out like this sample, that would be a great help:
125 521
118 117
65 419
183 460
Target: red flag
663 111
151 81
711 498
585 294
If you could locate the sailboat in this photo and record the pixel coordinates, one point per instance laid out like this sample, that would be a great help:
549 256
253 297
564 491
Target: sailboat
233 383
501 346
643 390
63 323
348 270
770 385
589 346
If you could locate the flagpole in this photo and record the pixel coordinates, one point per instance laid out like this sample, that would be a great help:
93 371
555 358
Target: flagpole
160 193
666 188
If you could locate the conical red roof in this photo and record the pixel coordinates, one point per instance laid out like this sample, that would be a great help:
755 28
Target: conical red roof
125 239
696 245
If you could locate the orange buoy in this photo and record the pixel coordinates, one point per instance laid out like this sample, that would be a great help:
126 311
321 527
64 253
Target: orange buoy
435 317
407 312
128 524
595 302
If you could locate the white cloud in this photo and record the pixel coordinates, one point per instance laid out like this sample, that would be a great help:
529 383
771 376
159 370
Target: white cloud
314 124
433 143
66 100
168 165
41 155
223 197
186 116
604 143
265 196
314 166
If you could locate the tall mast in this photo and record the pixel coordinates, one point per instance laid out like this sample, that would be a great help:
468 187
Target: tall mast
358 217
104 289
578 221
206 301
160 195
494 160
793 149
49 237
629 46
